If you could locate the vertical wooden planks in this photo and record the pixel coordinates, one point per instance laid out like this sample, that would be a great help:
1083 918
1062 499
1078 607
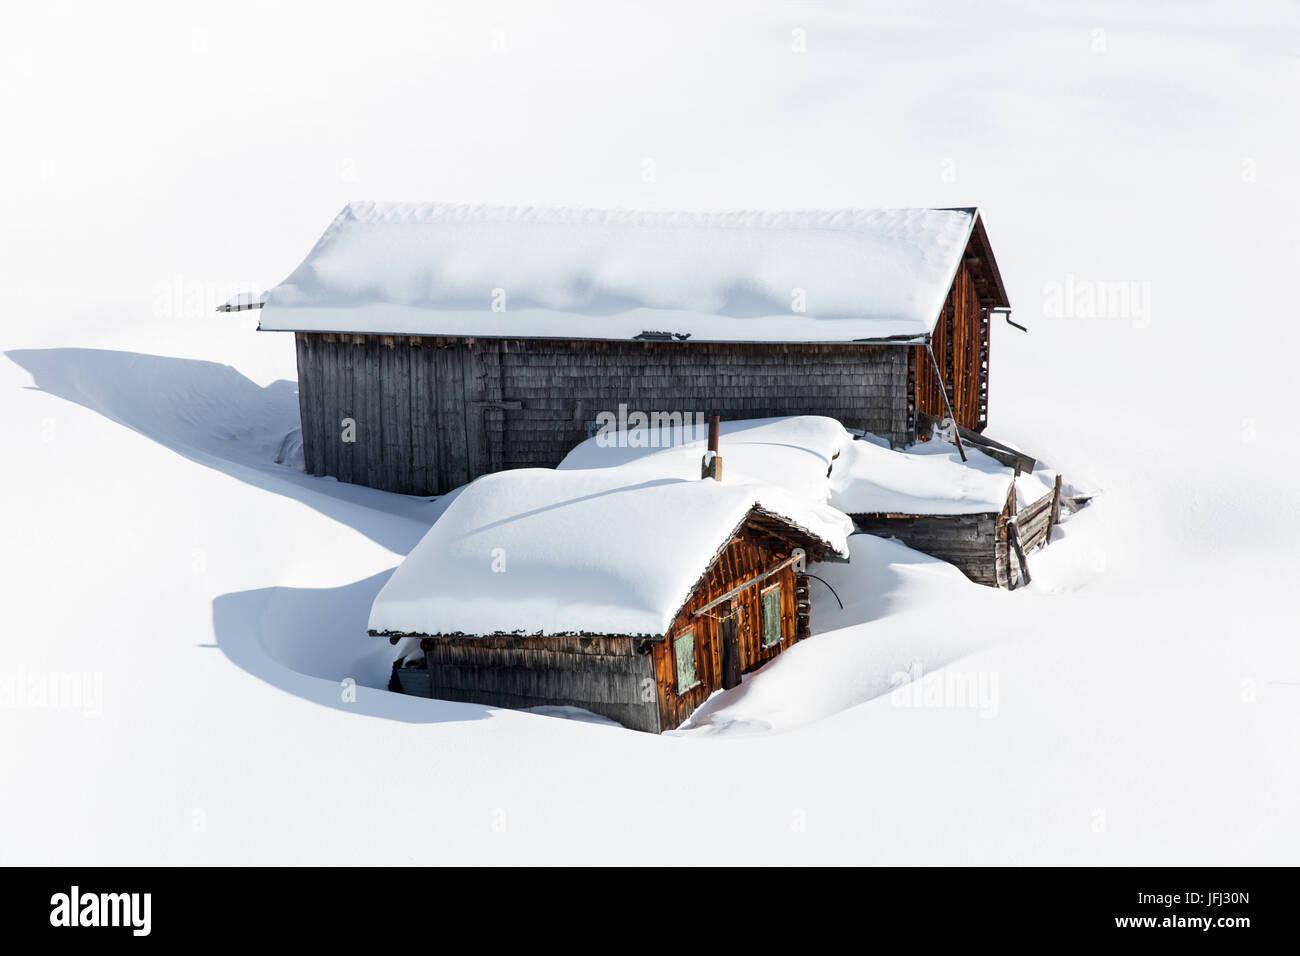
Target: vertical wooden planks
450 393
329 393
959 342
402 401
461 452
421 433
316 378
391 438
472 381
370 423
344 390
985 322
439 413
1055 517
306 388
493 422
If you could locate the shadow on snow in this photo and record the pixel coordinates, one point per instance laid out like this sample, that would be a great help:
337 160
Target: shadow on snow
305 641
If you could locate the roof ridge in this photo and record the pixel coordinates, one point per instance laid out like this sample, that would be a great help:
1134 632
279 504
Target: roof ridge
430 212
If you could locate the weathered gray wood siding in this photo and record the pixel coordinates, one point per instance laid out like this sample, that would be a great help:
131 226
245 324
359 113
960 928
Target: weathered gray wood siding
1033 522
431 414
606 675
969 542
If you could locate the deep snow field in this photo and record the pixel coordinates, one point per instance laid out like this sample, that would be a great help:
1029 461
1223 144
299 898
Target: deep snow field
1138 703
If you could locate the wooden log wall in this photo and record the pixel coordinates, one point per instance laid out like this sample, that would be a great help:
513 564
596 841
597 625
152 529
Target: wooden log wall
611 676
751 552
431 413
969 542
960 345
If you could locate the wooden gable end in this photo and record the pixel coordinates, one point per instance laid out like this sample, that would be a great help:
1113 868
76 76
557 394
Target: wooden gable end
760 544
960 341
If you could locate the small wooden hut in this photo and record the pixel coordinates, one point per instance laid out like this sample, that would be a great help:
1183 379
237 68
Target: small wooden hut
981 509
634 600
975 543
989 547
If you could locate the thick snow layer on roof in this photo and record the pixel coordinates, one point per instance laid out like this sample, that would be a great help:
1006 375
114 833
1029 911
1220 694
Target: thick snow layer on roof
793 453
459 270
928 478
607 551
818 459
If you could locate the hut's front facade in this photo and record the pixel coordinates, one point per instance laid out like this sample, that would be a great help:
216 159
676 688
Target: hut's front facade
633 600
437 343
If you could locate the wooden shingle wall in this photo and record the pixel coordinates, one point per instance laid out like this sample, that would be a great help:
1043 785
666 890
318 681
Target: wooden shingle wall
429 414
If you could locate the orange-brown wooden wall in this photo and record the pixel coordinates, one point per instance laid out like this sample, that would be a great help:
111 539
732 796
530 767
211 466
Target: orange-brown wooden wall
961 348
749 553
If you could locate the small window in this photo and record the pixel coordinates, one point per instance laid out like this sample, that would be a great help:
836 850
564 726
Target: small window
685 649
772 616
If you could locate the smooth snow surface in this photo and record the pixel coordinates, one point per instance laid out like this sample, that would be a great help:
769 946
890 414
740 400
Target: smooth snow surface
794 453
928 478
446 269
819 459
536 552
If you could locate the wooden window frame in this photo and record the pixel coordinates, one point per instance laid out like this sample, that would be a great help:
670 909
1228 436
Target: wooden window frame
762 610
695 665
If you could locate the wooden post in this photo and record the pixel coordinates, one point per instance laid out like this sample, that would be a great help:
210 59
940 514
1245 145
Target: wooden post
1055 516
956 434
711 465
1014 537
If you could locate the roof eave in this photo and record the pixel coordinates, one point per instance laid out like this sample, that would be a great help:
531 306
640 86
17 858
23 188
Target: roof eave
980 237
910 338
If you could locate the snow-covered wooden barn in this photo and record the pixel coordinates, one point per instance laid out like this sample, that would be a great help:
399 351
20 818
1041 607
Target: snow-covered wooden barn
599 589
440 342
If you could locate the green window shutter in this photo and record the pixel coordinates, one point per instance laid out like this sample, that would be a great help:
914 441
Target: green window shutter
685 648
772 616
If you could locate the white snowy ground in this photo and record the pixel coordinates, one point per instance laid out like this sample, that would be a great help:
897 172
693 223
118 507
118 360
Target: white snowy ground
1139 703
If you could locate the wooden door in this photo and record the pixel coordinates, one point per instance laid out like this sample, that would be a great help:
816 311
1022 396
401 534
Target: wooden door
729 631
485 409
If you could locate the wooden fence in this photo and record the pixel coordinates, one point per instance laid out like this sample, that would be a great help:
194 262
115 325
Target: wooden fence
1030 527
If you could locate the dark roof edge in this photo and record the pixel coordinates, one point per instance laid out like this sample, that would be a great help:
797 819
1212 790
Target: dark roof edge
980 237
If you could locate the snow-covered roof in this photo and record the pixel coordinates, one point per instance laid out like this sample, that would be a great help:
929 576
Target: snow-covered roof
604 551
494 271
928 478
797 453
794 453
